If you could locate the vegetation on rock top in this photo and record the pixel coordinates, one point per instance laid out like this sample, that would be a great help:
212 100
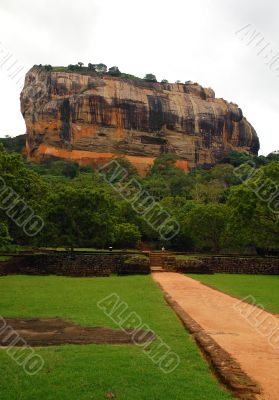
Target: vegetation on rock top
101 69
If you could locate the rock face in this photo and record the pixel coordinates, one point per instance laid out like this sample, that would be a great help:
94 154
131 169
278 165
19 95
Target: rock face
90 119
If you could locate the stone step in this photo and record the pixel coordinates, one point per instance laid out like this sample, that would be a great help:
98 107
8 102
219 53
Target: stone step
156 261
157 269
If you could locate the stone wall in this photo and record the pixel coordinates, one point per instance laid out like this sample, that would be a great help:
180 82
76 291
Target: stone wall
194 267
72 265
244 265
190 266
229 265
126 264
169 263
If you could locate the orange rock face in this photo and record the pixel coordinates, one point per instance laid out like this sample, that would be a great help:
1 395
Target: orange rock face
91 119
95 159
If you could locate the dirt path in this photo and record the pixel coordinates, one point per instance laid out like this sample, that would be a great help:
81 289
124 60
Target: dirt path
220 316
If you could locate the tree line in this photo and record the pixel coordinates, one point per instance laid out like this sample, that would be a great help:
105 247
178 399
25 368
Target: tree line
222 208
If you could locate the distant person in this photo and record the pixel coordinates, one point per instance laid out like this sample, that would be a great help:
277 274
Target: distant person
110 248
163 249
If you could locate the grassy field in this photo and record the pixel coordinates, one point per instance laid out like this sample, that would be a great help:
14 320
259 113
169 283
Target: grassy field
91 371
185 257
264 288
5 258
92 249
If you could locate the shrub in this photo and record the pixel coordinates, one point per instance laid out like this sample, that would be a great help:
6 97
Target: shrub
135 265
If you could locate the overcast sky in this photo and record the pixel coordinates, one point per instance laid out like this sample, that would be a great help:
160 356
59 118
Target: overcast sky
179 39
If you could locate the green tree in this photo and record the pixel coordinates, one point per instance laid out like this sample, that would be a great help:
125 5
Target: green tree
127 235
224 173
255 208
70 169
164 165
73 67
156 186
237 158
22 191
179 208
210 192
171 178
5 238
127 166
150 78
91 67
273 156
114 71
207 224
79 218
15 144
101 68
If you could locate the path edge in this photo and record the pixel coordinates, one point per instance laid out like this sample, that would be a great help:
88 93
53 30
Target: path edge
224 366
274 314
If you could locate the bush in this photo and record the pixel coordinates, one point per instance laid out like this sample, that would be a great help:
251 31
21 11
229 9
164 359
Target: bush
135 265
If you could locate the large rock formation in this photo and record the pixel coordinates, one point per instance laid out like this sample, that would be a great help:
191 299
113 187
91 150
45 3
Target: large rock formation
90 119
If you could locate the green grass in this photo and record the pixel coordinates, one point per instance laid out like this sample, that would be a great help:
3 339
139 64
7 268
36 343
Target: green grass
195 256
5 258
264 288
92 249
90 371
185 257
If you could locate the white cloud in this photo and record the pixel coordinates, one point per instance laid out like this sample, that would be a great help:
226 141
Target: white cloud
180 39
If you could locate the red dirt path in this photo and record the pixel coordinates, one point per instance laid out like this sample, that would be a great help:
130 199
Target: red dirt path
215 312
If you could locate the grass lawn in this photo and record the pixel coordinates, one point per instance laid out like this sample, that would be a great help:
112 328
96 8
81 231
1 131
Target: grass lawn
185 257
191 256
264 288
86 372
5 258
92 249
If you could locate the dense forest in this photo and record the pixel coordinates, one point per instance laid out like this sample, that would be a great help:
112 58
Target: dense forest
230 207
